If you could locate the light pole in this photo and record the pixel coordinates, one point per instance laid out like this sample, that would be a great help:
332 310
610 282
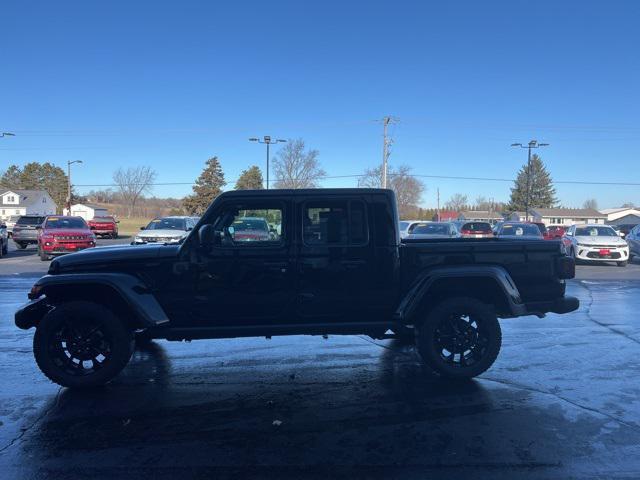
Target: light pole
7 134
529 146
69 163
267 140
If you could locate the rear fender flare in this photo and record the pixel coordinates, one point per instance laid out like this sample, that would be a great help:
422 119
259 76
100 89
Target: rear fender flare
426 281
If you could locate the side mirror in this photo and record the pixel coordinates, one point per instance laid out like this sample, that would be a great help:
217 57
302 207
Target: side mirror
117 221
189 229
206 235
92 227
142 228
231 231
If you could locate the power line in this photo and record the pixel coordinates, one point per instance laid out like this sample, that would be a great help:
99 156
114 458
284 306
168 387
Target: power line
442 177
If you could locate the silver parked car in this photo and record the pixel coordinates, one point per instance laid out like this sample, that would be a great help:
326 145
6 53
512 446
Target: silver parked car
424 231
165 230
25 231
406 226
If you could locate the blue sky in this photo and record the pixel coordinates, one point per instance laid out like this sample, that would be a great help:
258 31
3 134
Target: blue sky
170 84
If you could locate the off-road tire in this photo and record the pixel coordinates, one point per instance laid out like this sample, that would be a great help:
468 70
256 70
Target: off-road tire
120 339
488 326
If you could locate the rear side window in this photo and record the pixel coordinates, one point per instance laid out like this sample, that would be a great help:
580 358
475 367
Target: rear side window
30 221
335 223
480 227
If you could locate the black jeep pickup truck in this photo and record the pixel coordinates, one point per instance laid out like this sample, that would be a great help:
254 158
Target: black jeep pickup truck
289 262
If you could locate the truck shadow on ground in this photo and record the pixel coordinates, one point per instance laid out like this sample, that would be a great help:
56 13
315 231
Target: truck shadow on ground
390 412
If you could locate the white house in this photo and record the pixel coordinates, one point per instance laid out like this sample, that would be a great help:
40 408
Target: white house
566 216
25 202
622 216
87 210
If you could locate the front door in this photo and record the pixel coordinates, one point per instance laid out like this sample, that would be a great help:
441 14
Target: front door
248 275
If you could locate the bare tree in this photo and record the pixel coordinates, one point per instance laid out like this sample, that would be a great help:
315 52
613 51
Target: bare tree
457 202
133 183
628 205
408 189
590 203
297 168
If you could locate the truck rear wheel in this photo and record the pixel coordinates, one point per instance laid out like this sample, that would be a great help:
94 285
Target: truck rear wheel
460 338
82 345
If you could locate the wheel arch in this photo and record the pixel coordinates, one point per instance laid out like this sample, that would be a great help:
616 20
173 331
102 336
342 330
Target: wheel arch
490 285
124 294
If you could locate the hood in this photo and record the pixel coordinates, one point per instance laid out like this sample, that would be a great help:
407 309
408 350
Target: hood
113 254
600 240
161 233
66 231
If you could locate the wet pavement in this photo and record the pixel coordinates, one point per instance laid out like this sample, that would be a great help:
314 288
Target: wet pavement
562 401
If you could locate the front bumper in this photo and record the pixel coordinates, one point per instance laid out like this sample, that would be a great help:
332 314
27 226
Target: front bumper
599 254
56 248
29 314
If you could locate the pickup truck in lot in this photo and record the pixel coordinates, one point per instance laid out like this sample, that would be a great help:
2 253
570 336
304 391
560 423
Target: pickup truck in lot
334 264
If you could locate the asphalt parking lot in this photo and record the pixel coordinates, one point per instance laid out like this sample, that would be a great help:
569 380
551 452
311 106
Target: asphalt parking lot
562 401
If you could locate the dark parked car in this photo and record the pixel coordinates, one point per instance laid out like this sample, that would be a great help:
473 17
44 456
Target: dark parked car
337 267
633 239
519 231
4 239
475 229
25 231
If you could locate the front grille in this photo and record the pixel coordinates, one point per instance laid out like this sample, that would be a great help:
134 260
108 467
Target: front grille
70 237
612 255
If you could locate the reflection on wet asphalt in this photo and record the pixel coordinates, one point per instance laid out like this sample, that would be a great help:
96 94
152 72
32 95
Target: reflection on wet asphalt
561 401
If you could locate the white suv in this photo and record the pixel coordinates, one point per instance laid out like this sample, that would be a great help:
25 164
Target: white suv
596 243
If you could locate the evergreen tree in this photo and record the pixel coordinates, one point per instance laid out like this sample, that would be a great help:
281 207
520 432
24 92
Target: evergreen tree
250 179
208 186
542 194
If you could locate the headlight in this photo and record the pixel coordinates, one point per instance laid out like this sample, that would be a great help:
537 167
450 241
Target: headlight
137 239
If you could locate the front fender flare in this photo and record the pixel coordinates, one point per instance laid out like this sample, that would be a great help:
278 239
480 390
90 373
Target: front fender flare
131 290
424 282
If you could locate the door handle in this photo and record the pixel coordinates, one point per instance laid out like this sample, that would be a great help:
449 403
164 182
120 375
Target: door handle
280 266
352 263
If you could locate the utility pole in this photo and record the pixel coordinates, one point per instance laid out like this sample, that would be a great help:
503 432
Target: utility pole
69 163
386 143
438 204
267 140
532 144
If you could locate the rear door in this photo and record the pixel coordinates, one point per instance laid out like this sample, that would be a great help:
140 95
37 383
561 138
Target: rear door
335 260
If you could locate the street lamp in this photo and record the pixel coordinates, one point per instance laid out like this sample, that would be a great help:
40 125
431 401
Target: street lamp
7 134
69 163
529 146
267 140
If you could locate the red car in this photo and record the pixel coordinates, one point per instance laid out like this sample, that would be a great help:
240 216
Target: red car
556 232
104 226
61 234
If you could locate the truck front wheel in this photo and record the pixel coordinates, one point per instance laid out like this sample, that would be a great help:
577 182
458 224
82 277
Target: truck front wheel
81 345
460 338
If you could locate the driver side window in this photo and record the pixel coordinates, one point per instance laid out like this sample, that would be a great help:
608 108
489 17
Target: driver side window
250 225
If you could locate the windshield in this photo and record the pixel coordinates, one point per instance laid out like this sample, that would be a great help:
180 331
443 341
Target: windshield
481 227
167 224
65 222
250 224
520 229
595 232
30 221
431 229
